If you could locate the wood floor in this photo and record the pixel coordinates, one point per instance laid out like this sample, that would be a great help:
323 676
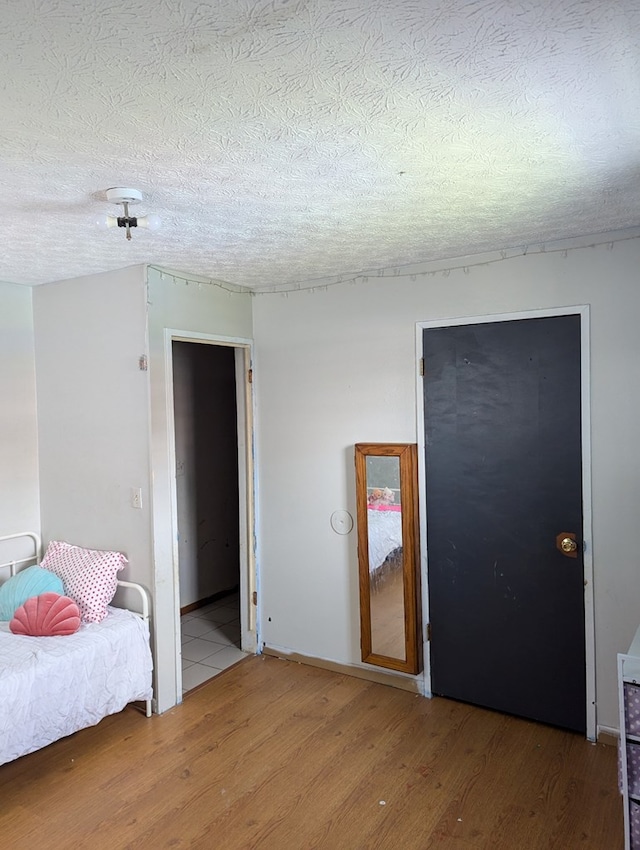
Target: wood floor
278 755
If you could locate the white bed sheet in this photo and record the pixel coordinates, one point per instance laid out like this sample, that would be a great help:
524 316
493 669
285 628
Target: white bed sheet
384 535
52 686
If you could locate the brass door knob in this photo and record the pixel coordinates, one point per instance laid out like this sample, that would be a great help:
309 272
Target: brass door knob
566 544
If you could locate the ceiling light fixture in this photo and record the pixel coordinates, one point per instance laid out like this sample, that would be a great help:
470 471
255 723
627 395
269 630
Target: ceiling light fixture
127 197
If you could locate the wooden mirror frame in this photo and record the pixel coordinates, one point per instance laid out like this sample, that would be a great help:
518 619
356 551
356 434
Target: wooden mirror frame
408 473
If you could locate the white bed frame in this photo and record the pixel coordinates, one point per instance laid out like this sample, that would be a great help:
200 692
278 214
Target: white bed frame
35 557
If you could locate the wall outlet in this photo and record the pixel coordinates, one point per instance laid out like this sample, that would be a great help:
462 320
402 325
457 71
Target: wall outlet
136 497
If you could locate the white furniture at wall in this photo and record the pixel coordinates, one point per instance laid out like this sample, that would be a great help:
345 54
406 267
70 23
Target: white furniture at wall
629 702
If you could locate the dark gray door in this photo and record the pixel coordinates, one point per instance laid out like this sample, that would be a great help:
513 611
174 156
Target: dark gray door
503 480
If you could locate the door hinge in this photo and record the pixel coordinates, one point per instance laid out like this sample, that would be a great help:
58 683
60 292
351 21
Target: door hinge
428 631
255 597
422 367
250 376
143 363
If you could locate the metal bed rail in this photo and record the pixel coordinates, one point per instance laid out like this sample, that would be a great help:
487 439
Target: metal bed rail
16 562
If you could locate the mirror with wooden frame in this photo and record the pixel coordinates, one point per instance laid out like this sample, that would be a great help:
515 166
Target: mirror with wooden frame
388 555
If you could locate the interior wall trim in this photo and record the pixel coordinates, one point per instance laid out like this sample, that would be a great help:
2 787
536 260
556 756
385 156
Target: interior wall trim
608 735
395 680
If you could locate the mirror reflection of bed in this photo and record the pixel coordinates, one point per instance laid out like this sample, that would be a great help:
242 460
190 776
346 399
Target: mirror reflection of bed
386 501
384 534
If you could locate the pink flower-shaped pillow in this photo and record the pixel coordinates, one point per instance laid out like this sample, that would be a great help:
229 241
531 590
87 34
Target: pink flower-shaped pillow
46 615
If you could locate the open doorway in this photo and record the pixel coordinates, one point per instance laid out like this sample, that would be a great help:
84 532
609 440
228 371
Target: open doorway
208 421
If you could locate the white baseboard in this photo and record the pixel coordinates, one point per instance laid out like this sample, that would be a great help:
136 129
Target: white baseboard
403 681
608 735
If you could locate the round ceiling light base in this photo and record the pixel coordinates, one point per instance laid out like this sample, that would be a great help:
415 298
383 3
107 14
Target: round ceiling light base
121 195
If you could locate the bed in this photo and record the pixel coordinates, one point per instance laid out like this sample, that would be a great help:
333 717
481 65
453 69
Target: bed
53 686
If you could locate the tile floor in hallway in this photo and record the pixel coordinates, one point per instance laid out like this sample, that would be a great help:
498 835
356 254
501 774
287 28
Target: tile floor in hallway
210 640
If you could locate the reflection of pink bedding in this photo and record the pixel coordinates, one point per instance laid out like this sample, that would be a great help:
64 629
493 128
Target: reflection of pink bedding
384 526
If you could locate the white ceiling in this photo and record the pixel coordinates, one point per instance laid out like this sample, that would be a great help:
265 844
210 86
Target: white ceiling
282 141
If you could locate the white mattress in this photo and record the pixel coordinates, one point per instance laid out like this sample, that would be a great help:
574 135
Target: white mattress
52 686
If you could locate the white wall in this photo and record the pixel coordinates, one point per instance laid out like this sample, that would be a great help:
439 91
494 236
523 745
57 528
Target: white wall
102 422
19 501
338 366
93 411
190 307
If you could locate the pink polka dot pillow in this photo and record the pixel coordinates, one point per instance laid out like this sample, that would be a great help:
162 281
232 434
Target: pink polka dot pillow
90 576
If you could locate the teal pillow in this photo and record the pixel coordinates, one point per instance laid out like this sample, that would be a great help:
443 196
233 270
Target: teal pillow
27 583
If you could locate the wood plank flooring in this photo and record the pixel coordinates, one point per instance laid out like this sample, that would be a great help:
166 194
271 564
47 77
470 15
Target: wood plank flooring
282 756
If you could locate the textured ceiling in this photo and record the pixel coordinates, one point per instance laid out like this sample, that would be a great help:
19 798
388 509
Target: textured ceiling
292 140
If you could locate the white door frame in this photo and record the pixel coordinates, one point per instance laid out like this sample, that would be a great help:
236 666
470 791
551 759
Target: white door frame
590 649
246 484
